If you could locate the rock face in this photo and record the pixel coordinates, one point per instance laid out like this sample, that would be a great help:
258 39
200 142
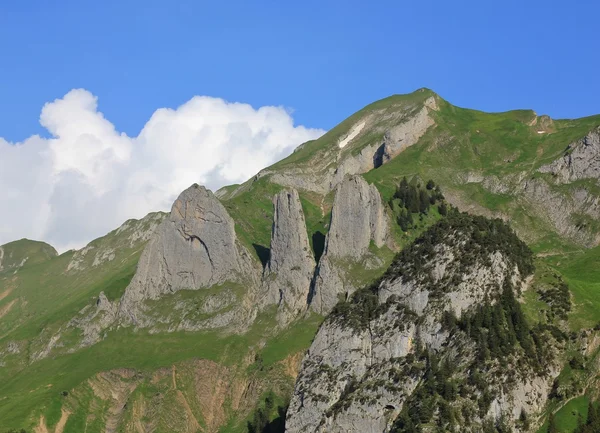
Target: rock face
194 248
94 319
396 139
373 356
396 129
357 219
289 272
567 213
581 160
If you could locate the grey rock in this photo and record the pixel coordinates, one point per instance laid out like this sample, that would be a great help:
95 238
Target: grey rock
94 320
194 248
581 160
358 218
288 274
406 134
561 210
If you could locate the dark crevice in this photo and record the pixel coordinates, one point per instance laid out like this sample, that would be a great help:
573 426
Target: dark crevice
263 254
378 157
318 241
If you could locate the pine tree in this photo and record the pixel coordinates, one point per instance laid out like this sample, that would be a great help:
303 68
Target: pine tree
423 201
404 183
443 209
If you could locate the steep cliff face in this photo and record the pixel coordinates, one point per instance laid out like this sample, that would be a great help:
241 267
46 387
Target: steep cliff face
397 138
358 219
378 357
194 248
580 161
569 214
289 272
375 136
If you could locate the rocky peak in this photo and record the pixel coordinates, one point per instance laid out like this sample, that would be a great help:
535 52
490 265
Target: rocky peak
194 248
357 218
291 265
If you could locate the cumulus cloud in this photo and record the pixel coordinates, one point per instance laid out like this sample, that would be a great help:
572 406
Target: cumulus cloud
88 178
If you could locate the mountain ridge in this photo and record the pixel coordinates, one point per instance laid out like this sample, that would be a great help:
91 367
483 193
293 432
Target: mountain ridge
339 195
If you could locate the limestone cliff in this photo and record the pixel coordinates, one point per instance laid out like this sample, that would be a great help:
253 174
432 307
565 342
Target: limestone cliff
291 265
564 197
358 219
194 248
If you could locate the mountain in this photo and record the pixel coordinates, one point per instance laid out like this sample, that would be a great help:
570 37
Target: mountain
15 255
344 280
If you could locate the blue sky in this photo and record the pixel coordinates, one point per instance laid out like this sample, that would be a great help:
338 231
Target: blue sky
323 59
86 144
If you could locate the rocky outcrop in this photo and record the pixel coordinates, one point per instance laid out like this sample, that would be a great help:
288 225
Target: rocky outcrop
194 248
291 265
93 320
580 161
396 139
569 214
366 362
358 218
396 129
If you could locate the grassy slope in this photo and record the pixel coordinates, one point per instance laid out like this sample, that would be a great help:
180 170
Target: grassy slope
581 271
41 384
33 252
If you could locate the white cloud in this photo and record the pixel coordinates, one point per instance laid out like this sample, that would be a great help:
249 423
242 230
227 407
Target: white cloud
89 178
